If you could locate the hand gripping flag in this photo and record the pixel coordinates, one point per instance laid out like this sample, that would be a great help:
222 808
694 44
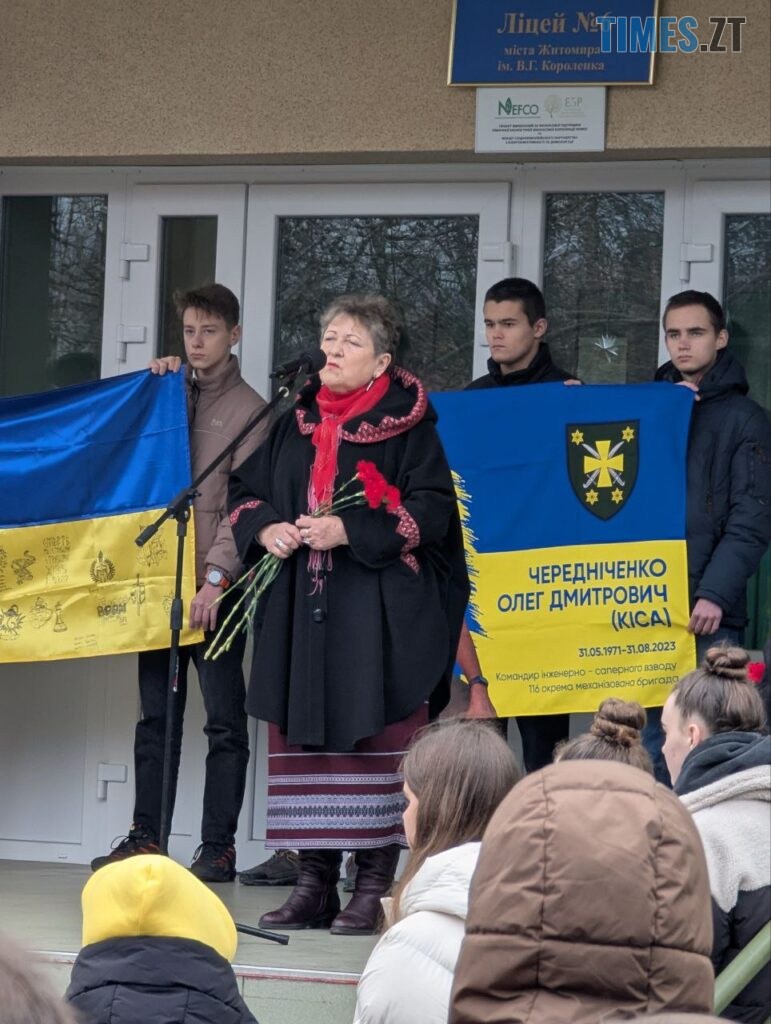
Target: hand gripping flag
573 506
82 471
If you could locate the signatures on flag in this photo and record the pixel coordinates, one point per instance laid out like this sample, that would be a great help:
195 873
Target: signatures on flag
11 622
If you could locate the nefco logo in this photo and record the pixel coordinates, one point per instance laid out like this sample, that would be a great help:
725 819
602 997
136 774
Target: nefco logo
668 35
510 109
552 105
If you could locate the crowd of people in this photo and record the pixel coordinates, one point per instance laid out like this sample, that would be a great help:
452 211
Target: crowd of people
583 892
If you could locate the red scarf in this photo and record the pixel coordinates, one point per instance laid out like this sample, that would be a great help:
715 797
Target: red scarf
336 410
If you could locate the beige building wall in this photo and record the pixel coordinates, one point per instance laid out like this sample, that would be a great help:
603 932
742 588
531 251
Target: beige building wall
292 81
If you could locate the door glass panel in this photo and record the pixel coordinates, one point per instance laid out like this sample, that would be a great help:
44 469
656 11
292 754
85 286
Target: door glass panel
601 282
188 259
747 300
51 291
425 265
747 297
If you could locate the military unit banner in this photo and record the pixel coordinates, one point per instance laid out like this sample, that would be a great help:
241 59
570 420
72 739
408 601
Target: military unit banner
573 505
82 471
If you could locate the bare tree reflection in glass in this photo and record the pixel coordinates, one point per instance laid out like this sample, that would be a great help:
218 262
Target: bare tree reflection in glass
52 251
747 299
601 281
426 265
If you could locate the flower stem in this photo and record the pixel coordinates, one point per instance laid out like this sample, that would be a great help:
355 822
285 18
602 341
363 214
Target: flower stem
263 574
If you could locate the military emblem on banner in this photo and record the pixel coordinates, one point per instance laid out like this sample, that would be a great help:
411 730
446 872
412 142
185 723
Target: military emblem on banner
602 464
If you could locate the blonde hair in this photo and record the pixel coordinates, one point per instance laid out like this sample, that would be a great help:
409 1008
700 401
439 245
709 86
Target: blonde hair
720 693
459 769
25 996
615 735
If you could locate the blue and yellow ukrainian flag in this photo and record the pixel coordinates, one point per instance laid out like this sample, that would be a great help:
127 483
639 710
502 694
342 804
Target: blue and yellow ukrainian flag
82 471
573 506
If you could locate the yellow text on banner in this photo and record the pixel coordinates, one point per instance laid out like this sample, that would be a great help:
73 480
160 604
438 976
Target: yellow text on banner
563 628
83 588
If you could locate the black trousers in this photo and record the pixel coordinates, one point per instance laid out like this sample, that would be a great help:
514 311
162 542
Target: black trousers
540 734
222 686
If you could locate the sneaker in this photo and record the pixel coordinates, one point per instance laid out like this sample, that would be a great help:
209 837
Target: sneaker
280 869
214 862
139 840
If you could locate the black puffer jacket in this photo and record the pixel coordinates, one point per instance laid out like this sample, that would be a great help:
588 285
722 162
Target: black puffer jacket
541 371
725 783
728 503
152 980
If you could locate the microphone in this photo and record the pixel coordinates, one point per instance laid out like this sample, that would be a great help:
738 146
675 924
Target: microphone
306 362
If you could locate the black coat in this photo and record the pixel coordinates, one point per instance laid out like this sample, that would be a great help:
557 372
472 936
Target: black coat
728 499
380 639
541 371
726 784
152 980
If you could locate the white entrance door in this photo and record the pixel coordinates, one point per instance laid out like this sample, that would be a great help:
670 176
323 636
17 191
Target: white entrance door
66 728
177 237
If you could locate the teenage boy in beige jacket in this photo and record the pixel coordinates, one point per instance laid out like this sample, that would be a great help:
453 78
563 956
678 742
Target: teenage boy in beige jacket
220 403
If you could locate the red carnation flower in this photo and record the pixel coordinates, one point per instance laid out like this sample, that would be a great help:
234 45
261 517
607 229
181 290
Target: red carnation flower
377 490
755 671
392 498
375 484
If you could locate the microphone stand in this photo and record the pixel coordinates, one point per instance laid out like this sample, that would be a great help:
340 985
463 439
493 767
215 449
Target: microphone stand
179 509
261 933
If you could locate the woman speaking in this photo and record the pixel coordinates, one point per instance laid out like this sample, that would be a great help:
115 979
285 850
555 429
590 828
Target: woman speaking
359 630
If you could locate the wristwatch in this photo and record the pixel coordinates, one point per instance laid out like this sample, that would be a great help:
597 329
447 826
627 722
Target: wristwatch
217 577
479 680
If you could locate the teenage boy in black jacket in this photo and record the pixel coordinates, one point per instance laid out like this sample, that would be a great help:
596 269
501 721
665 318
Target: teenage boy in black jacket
515 325
728 479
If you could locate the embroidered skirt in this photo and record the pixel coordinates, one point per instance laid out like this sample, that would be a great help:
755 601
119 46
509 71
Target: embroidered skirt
332 801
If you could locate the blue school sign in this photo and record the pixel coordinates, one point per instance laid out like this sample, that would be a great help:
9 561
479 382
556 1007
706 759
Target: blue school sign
523 42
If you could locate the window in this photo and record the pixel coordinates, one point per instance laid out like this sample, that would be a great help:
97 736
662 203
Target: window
188 259
601 281
747 297
51 291
425 265
747 300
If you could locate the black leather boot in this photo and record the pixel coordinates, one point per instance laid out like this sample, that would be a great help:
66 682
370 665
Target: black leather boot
375 871
313 903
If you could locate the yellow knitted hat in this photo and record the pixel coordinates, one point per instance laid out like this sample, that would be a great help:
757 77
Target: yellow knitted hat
153 895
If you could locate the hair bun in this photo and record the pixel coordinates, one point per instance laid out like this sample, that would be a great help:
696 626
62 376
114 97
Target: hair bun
727 662
619 721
